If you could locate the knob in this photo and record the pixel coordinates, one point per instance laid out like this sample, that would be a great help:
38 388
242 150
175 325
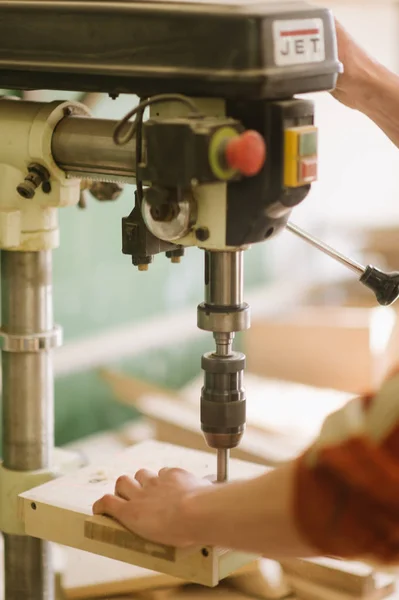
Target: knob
246 153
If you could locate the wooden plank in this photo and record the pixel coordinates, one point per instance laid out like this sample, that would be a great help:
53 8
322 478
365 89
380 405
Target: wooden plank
329 347
285 420
299 412
98 447
268 582
220 593
351 577
308 590
88 575
190 593
105 530
132 388
196 592
177 421
58 511
166 594
92 576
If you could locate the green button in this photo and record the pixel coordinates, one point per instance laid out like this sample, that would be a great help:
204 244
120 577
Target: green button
308 144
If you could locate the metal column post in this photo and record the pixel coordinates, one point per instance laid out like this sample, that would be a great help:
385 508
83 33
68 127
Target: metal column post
27 314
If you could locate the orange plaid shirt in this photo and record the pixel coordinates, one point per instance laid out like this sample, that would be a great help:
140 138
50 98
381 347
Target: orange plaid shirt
347 484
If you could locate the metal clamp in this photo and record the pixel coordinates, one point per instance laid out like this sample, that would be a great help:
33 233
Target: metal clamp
36 342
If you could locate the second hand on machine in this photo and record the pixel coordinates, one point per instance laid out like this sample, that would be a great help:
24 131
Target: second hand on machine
384 285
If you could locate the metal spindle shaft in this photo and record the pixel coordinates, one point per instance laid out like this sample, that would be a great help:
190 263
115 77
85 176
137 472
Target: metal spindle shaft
224 278
26 292
224 343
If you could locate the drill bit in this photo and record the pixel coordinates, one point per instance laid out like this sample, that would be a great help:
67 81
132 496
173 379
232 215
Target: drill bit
223 455
223 348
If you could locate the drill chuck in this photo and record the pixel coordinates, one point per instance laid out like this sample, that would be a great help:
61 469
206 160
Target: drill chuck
223 402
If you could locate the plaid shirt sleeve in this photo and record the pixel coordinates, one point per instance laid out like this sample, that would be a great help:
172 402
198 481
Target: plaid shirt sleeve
346 493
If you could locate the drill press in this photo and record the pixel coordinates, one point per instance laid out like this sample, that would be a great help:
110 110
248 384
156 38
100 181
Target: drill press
220 184
225 156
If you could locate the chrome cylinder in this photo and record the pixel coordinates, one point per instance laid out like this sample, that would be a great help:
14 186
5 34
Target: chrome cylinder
224 278
27 310
224 312
224 343
84 145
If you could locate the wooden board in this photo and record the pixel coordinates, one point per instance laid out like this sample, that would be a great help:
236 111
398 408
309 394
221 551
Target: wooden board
99 447
189 593
132 388
260 391
328 347
222 593
269 582
299 412
353 578
198 593
179 424
59 510
88 575
225 3
177 421
308 590
92 576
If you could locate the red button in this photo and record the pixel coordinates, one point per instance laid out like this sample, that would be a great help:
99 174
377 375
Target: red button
308 169
246 153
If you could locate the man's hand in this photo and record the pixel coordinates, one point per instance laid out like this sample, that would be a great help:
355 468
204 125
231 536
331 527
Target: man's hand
357 64
153 506
368 86
349 55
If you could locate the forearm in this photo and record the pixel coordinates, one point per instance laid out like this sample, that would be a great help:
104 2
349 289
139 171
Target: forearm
368 86
340 498
377 96
255 516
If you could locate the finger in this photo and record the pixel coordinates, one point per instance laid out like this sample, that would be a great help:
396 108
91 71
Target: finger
172 472
163 472
211 478
144 477
125 487
109 505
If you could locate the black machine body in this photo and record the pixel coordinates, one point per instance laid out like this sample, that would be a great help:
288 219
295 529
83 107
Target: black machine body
227 49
